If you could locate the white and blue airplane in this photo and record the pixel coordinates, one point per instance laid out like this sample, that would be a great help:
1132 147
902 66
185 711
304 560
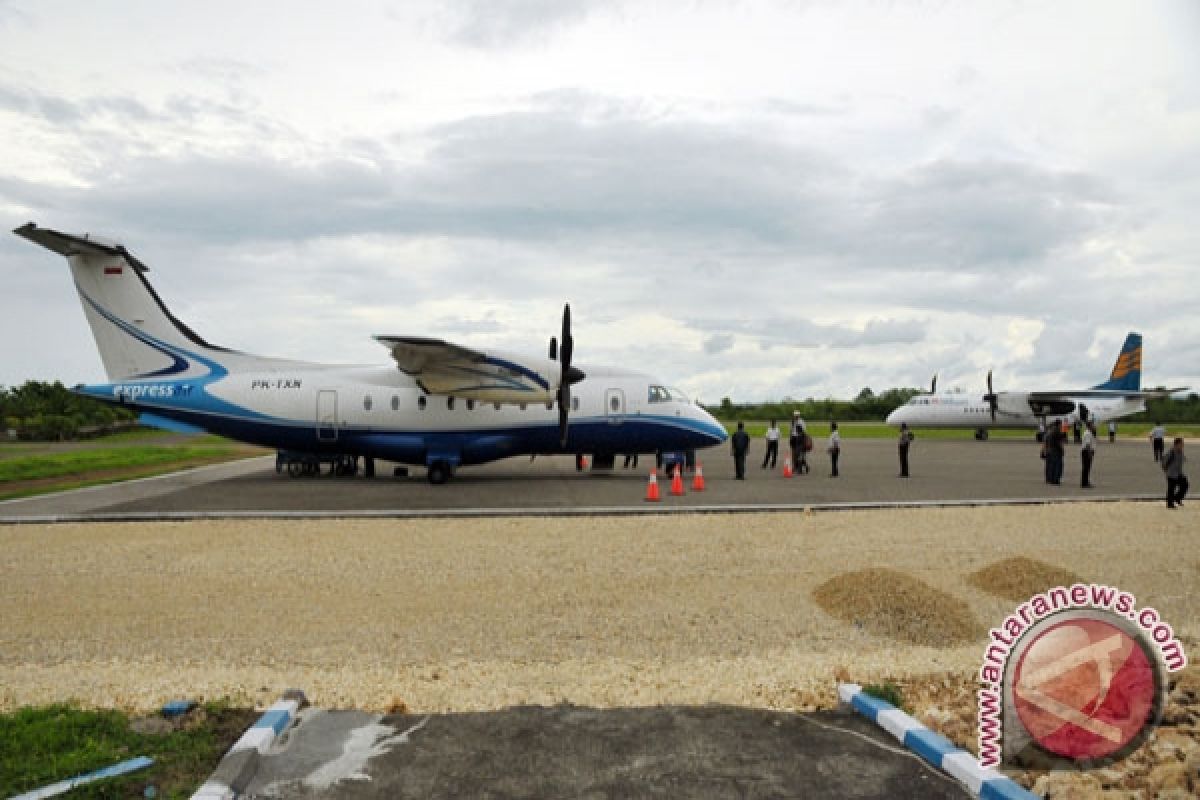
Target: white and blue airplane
441 405
1117 397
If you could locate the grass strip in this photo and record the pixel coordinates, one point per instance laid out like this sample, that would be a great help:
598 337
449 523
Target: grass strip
43 745
82 462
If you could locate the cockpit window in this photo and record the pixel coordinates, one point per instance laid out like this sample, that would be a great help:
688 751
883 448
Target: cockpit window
664 394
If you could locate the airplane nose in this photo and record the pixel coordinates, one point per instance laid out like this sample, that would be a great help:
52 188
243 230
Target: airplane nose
893 418
716 430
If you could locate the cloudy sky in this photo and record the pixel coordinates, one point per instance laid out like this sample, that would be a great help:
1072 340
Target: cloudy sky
749 199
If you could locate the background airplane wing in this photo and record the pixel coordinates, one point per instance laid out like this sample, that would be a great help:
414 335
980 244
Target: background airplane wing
1143 393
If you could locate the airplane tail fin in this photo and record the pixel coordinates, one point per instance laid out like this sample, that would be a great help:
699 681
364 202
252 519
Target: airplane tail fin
138 337
1127 372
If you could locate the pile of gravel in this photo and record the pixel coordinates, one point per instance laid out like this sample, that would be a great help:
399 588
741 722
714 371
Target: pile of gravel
896 605
1020 578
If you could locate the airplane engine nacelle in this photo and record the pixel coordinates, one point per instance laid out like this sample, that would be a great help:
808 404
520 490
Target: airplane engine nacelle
1052 408
1013 405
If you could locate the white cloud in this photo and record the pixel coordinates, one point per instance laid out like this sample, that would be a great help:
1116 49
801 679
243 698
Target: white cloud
754 201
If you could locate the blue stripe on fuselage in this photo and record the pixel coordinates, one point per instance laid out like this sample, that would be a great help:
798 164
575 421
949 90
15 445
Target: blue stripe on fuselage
593 434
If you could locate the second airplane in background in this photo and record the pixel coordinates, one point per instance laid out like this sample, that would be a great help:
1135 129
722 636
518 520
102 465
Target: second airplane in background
1117 397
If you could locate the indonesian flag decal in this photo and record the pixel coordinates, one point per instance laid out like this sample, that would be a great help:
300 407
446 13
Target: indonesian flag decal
114 270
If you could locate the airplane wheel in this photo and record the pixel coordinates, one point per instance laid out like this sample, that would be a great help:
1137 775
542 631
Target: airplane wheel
983 435
438 473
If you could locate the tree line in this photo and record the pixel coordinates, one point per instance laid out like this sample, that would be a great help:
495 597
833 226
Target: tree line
50 411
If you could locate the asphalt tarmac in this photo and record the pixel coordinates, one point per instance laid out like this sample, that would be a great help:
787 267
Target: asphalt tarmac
567 751
954 471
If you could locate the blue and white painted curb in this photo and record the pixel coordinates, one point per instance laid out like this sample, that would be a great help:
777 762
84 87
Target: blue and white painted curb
124 768
238 766
984 783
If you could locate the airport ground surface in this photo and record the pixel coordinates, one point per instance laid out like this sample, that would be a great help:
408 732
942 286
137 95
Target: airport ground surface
942 470
478 614
606 611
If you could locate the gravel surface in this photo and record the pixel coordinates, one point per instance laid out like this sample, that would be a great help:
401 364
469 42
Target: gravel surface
452 615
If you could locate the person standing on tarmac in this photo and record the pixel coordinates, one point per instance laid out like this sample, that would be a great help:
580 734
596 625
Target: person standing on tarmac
1086 454
1157 435
1177 482
835 448
1055 444
906 437
772 438
804 444
1112 431
796 438
741 444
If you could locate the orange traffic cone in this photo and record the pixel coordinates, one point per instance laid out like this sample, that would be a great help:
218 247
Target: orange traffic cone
652 487
787 468
677 482
698 480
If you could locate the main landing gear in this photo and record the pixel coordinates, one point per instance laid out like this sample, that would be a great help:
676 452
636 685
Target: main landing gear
438 472
981 434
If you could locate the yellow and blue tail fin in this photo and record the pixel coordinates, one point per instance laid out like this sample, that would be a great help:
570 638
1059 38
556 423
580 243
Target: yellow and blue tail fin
1127 372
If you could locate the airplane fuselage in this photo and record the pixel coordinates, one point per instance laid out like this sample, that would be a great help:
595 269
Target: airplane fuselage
963 410
380 412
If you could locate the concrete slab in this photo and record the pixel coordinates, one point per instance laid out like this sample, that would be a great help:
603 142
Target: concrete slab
941 471
568 751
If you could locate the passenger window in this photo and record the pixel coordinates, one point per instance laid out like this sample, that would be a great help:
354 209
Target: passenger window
574 403
615 404
367 403
496 406
549 404
470 404
395 402
450 403
522 406
421 402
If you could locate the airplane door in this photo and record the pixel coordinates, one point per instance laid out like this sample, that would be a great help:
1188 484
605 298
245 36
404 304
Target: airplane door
327 423
614 405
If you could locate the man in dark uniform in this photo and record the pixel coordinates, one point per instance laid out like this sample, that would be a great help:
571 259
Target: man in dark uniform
741 444
906 438
1177 482
1055 445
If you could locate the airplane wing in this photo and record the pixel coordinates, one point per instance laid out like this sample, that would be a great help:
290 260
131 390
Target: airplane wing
441 367
1064 402
1142 393
414 353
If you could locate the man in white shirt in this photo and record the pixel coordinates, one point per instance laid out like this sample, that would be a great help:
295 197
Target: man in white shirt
1157 435
1112 431
772 445
1087 454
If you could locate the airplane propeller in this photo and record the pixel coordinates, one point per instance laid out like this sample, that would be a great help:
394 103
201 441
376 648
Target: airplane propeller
570 374
990 397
